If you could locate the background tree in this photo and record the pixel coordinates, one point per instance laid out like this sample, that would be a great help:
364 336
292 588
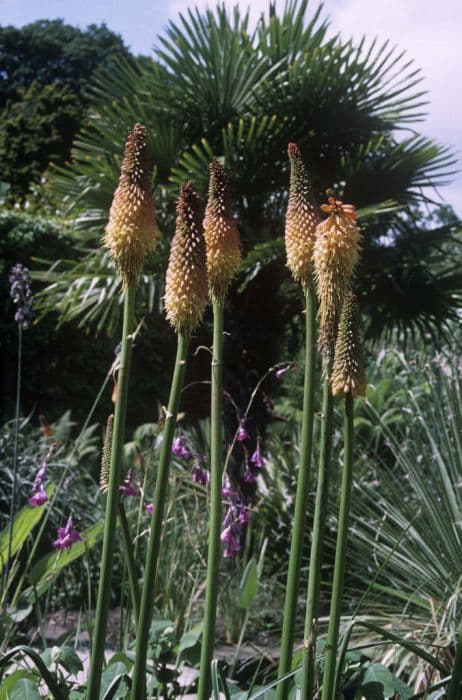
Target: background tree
46 70
214 88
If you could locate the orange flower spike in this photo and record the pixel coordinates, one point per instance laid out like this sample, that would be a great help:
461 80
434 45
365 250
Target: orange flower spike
301 219
220 233
131 232
186 279
335 256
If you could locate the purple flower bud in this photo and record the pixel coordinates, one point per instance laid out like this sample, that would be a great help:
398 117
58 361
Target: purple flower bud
244 515
242 433
282 371
249 477
230 537
227 491
257 458
67 536
127 488
200 475
21 294
180 448
149 508
38 498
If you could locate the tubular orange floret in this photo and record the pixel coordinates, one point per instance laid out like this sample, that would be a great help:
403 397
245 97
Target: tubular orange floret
301 219
335 256
348 375
131 232
221 234
186 280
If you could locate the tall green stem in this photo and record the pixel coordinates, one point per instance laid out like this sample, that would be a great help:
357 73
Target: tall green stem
301 499
112 503
328 686
15 453
216 468
314 578
152 556
454 690
130 562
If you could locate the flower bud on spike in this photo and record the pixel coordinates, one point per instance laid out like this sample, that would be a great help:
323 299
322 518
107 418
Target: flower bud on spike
221 234
301 219
131 232
186 280
106 456
335 256
348 370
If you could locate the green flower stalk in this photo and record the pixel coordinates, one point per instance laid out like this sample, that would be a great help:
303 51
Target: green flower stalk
223 257
185 301
335 255
301 221
317 540
347 373
130 234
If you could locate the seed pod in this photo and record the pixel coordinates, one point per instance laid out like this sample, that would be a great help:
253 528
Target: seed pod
335 256
106 456
186 280
301 220
221 234
348 371
131 232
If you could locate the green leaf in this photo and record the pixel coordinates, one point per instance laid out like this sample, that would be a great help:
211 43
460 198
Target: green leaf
50 566
25 689
23 524
378 683
70 660
9 683
249 584
110 676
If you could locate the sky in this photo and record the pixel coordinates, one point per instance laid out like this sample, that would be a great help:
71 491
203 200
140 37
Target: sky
429 31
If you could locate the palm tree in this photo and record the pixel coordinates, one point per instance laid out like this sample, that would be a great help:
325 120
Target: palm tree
216 88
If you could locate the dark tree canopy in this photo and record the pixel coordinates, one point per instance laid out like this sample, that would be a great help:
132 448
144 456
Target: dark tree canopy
49 51
37 129
46 68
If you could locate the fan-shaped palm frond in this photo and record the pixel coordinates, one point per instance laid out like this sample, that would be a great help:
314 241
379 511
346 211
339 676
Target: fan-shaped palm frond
399 170
90 290
216 89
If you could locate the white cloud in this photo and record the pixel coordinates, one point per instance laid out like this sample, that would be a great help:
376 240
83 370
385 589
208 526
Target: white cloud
430 33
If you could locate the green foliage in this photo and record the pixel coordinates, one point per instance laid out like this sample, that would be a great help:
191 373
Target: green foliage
407 512
37 129
214 88
46 70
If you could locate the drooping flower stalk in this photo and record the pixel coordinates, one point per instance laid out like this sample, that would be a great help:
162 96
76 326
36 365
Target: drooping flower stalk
130 234
223 257
185 300
348 380
21 294
335 255
301 221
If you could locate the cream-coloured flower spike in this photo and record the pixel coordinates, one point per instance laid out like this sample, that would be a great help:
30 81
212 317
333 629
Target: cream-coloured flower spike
221 234
186 280
335 256
301 219
348 371
131 232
